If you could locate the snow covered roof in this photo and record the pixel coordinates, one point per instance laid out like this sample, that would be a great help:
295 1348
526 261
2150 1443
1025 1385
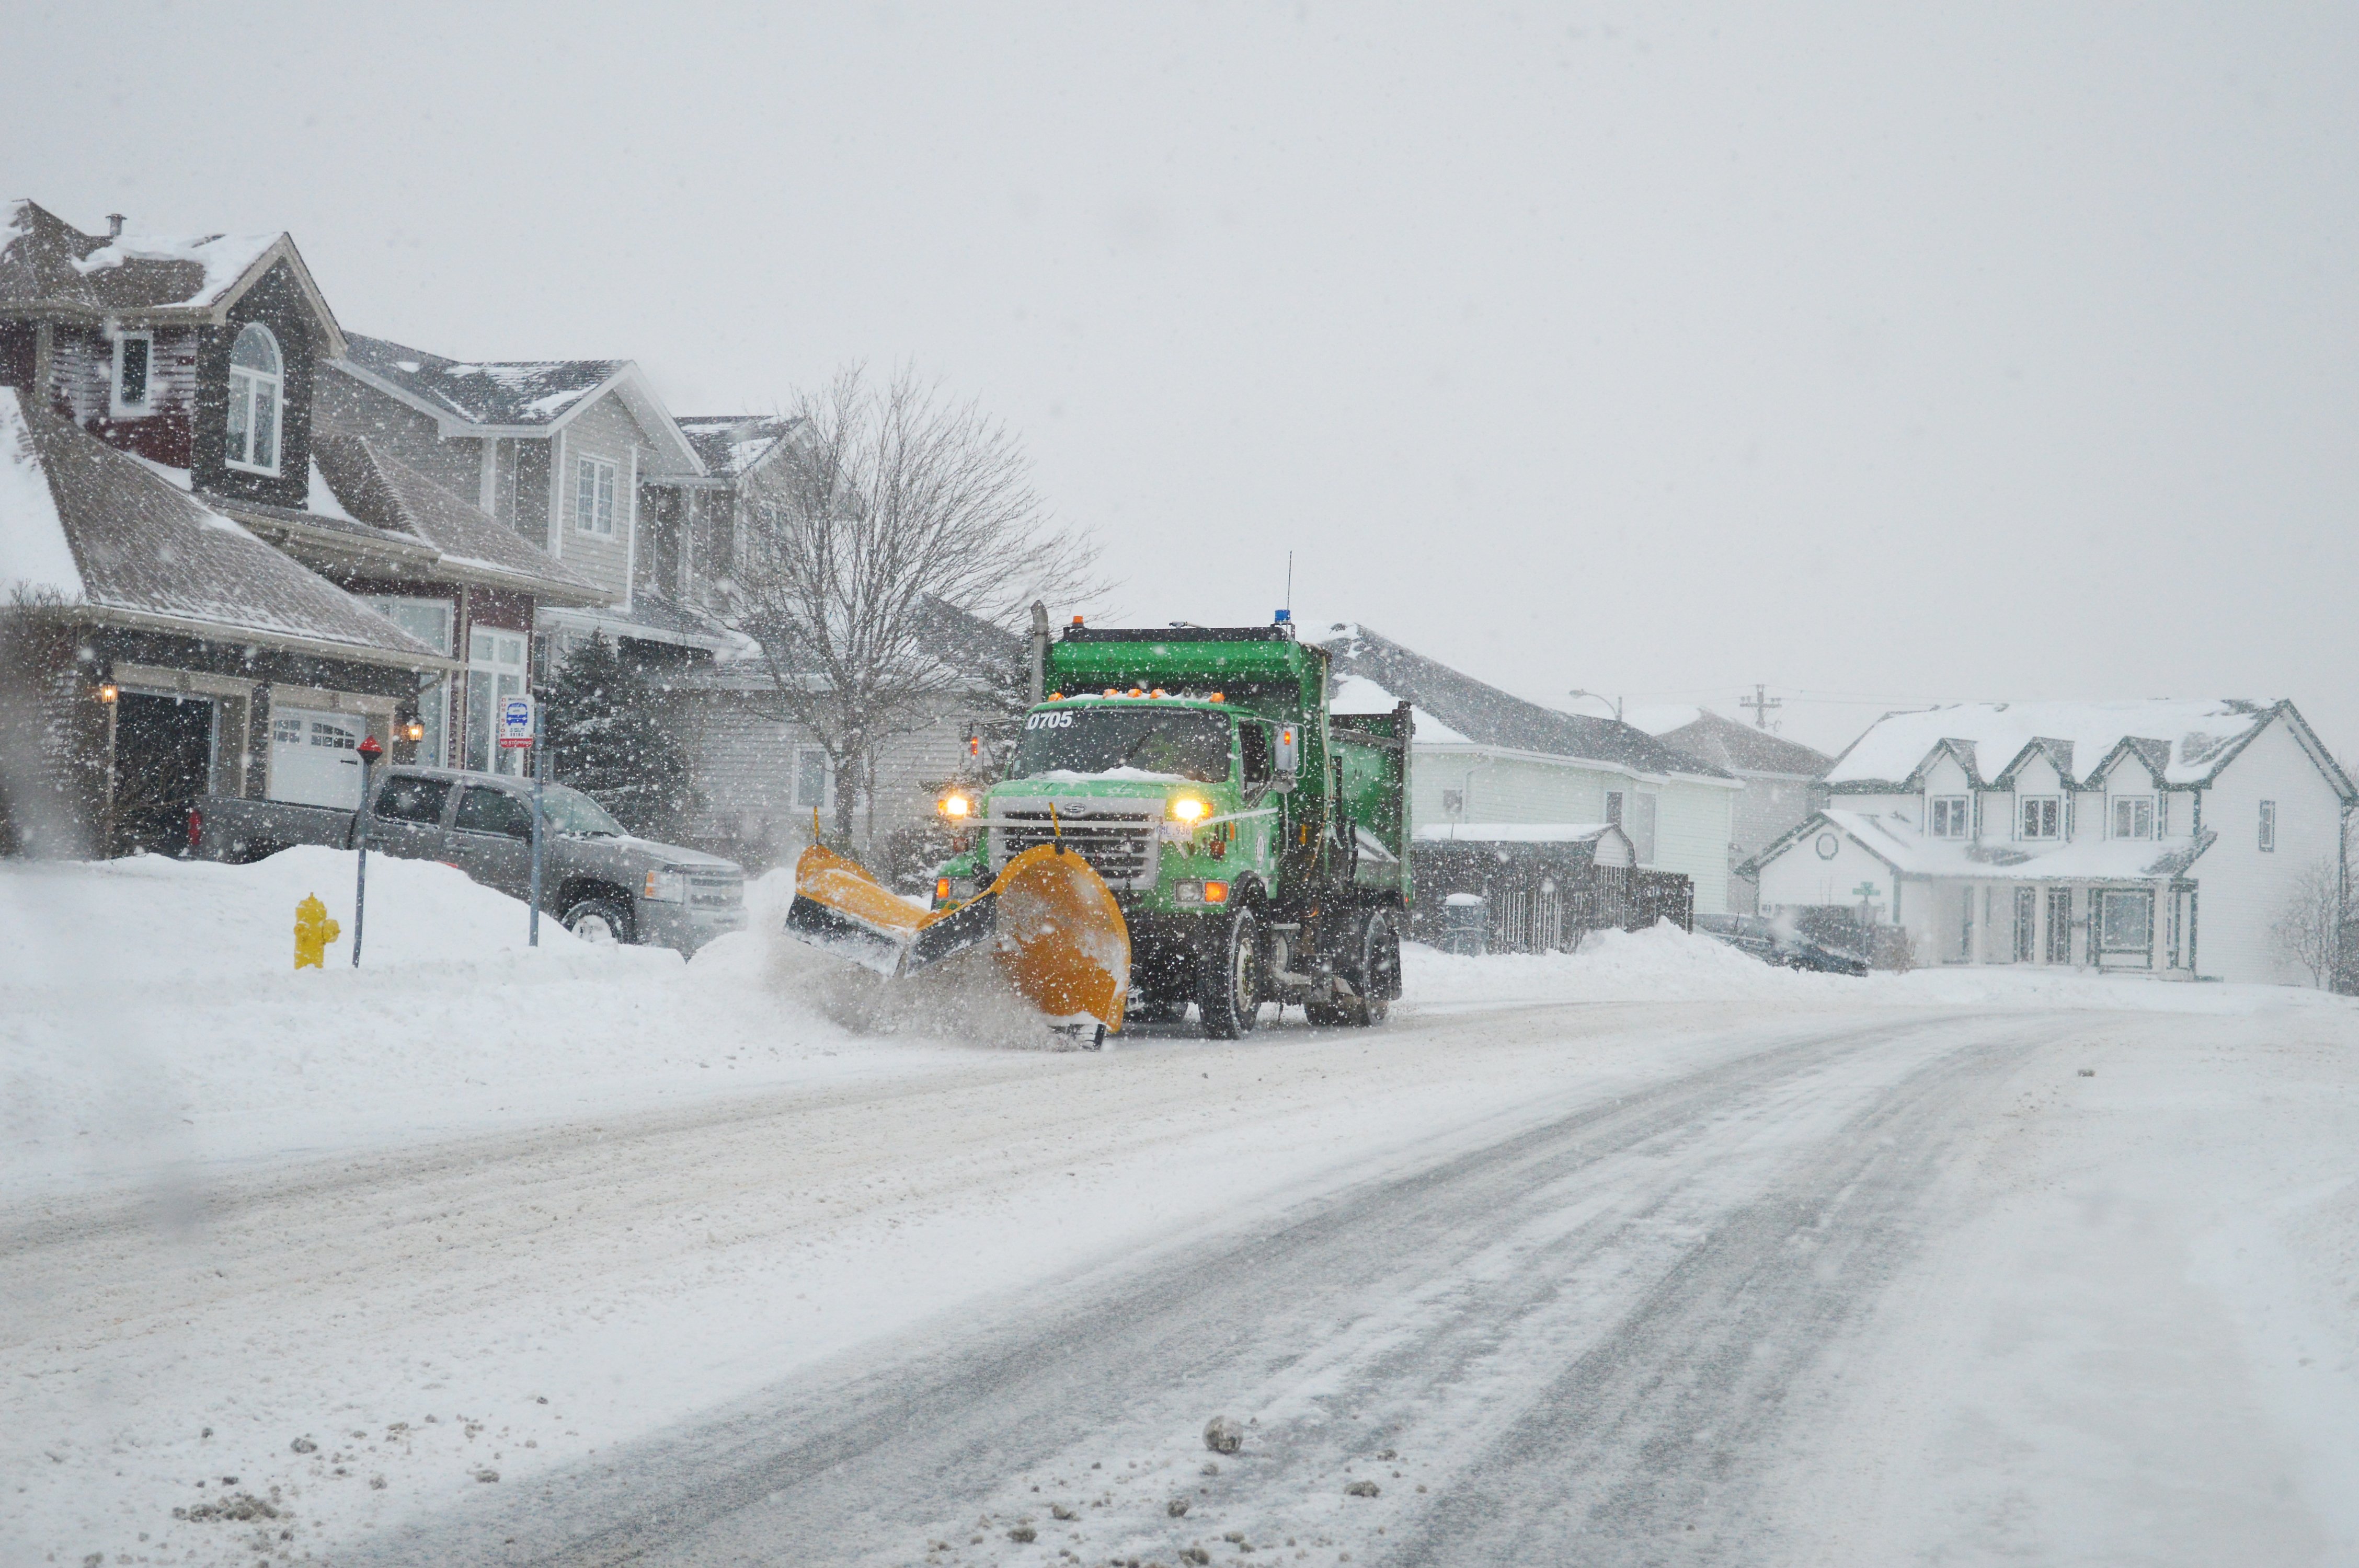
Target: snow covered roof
1739 748
1895 841
2185 741
526 391
48 267
1512 832
371 486
519 397
734 445
1474 713
92 528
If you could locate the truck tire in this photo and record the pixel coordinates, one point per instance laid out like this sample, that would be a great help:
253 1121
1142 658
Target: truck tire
1229 997
1372 963
599 918
1376 975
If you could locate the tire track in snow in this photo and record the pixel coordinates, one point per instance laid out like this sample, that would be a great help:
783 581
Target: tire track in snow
1346 1326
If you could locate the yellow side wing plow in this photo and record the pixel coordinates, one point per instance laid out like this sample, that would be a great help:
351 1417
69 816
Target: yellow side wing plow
1047 918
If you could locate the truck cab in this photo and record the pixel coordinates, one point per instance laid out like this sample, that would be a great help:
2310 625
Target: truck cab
1256 846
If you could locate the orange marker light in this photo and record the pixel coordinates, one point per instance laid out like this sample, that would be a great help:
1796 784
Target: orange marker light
1216 892
941 890
1216 697
1158 691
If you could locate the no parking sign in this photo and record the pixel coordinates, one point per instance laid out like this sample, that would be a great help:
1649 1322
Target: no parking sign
516 723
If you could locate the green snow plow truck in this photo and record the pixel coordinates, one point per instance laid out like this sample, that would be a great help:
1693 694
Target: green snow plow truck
1254 843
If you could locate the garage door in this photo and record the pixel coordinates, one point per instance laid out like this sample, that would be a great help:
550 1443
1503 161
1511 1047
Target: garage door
315 757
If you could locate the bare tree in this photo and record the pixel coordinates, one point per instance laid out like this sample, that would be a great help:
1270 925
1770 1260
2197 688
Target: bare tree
2308 925
893 503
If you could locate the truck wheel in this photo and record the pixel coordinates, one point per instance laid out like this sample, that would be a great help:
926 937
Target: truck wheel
598 919
1376 976
1229 1000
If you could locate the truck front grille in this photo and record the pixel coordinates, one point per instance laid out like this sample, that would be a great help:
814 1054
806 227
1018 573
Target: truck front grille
706 892
1119 847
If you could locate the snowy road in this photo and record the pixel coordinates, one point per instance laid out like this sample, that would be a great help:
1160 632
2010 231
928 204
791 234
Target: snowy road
1577 1340
1618 1283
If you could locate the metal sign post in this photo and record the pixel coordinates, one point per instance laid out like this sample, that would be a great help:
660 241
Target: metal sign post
519 728
370 751
539 781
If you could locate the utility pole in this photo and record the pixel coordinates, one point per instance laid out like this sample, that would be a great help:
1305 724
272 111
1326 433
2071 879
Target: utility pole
1762 704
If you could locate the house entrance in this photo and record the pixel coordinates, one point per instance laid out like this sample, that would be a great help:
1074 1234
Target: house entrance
2060 925
163 761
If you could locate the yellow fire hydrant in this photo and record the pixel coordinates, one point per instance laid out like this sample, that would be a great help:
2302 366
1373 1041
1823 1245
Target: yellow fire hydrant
313 932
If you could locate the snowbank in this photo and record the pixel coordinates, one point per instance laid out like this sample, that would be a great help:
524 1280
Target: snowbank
1666 963
150 1014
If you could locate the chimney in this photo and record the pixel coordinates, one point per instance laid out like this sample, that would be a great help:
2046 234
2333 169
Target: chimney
115 225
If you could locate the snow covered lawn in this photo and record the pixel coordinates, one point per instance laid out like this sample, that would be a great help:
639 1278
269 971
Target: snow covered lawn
389 1213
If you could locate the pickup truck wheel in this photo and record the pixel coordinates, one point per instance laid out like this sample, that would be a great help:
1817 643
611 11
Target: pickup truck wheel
598 919
1229 1000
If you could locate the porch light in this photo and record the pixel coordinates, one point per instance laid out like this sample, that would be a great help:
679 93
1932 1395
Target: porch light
108 692
413 729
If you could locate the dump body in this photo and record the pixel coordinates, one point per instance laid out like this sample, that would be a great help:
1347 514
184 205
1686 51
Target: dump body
1201 774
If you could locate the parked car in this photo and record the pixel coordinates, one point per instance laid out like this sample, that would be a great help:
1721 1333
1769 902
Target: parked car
603 883
1773 943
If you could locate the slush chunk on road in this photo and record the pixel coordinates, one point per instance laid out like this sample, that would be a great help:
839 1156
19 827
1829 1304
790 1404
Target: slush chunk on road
1222 1435
1361 1489
1176 1507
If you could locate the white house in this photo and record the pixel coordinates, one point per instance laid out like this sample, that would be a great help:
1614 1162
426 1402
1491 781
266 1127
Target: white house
2158 837
1484 760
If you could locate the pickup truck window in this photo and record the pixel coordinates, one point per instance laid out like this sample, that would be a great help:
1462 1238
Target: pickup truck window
570 811
1187 742
413 800
483 811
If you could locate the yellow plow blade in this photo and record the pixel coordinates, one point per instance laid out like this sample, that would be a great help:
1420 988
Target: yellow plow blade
1047 918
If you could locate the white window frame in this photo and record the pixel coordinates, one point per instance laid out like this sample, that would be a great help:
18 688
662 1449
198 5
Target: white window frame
2105 919
254 382
2268 838
116 406
487 670
2116 805
1953 808
2024 807
595 482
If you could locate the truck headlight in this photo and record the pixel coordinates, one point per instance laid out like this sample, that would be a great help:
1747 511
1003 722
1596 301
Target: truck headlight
668 885
1190 808
957 808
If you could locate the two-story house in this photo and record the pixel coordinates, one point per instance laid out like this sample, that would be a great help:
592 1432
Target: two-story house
2158 837
578 457
1779 779
155 391
1489 766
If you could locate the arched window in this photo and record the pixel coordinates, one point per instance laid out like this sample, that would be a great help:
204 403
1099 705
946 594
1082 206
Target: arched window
257 388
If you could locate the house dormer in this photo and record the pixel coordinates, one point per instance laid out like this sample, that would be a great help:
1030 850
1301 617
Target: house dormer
1948 783
196 352
2132 787
2036 791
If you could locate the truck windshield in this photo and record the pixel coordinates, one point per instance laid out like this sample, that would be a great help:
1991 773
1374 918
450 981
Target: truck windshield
1173 742
570 811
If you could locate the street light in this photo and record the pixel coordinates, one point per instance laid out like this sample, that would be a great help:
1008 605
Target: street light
1601 697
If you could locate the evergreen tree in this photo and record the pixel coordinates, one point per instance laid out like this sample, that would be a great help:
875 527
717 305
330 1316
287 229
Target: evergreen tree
608 740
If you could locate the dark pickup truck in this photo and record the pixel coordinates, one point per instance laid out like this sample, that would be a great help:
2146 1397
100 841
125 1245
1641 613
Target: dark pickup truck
603 883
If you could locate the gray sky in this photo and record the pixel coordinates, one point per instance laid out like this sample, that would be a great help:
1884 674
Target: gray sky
1876 352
